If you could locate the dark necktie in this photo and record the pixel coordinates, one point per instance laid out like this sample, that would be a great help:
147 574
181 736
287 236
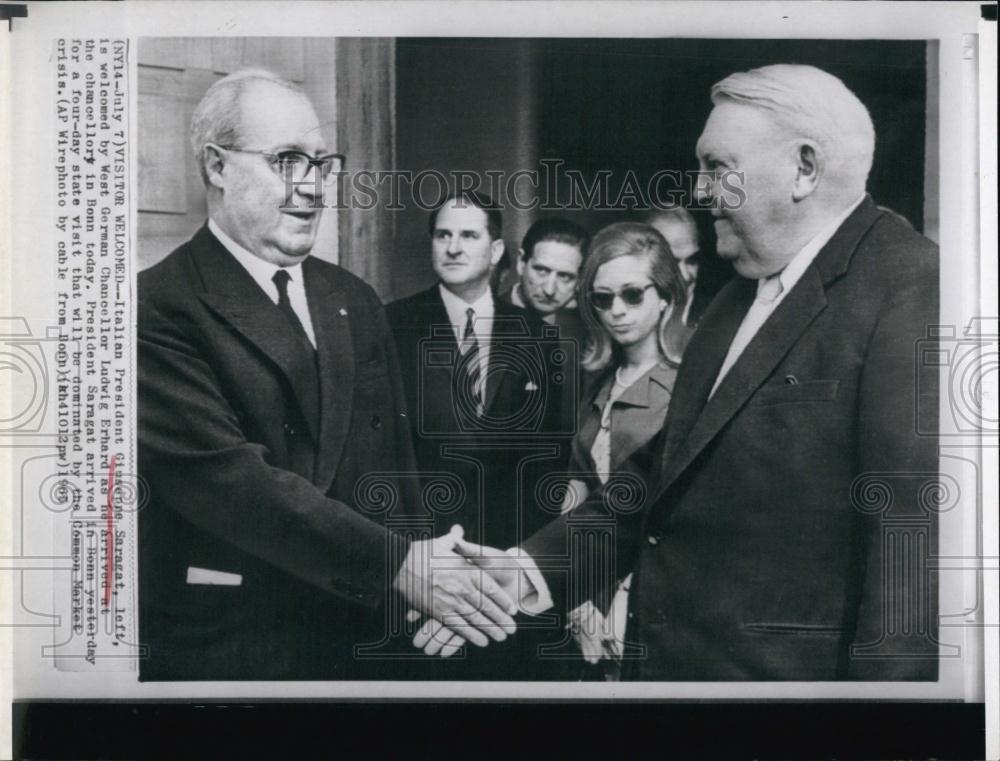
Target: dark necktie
280 279
470 358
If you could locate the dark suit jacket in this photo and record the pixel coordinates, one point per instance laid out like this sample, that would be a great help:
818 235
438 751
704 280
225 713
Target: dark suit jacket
572 330
255 449
524 407
789 532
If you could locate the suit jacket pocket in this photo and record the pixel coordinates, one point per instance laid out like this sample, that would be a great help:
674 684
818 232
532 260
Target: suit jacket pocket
786 392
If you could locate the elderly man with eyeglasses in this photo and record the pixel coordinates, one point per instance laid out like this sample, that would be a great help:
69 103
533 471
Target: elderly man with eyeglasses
271 418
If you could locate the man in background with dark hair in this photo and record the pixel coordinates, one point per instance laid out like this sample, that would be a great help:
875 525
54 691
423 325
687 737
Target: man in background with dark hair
468 363
548 265
485 401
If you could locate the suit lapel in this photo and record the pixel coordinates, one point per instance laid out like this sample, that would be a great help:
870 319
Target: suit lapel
698 421
702 360
429 321
503 329
233 294
336 363
645 404
434 319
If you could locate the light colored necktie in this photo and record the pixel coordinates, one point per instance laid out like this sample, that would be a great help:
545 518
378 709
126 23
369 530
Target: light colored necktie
768 292
769 289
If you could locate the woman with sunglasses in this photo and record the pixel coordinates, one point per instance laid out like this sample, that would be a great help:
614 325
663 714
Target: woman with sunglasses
632 302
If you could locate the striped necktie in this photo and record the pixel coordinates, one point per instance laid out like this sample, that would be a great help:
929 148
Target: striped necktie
472 389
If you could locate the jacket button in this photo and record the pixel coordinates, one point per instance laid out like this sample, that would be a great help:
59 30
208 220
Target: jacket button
653 539
376 422
289 429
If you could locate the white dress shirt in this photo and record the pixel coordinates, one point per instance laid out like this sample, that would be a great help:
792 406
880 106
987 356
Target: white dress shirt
482 323
772 290
263 273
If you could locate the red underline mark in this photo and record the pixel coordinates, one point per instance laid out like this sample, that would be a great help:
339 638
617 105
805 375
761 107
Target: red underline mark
109 549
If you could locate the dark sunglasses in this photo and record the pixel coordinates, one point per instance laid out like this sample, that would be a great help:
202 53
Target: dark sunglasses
631 296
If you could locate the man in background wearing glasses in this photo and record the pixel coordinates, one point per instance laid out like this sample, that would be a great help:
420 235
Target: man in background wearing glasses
269 395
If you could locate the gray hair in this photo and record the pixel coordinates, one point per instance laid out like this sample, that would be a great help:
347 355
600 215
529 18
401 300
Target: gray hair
216 118
811 103
673 215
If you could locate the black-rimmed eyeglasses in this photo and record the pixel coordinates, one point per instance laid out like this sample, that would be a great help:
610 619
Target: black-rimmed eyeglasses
295 165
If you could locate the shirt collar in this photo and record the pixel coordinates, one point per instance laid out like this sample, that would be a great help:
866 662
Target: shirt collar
456 307
261 271
790 275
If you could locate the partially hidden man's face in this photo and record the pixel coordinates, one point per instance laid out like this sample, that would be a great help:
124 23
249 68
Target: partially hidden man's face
272 119
740 138
548 278
462 253
682 237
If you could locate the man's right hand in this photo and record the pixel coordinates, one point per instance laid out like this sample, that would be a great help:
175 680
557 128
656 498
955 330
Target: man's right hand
434 638
444 585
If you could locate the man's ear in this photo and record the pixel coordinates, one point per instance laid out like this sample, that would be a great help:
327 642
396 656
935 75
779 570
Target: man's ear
496 251
214 163
520 262
809 165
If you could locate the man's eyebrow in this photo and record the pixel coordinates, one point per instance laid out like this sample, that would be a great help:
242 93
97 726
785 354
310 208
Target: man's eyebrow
706 148
711 154
298 147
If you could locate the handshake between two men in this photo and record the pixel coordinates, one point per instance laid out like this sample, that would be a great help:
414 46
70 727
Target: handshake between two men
464 592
